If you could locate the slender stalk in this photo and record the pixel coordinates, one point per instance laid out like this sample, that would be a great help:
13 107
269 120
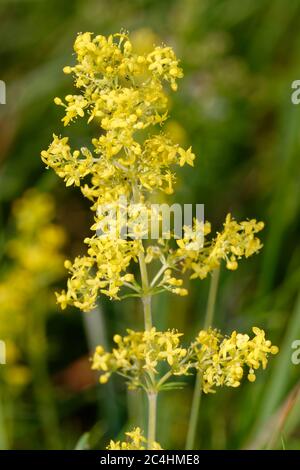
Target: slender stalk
152 395
158 275
144 274
146 298
152 406
208 321
147 312
212 296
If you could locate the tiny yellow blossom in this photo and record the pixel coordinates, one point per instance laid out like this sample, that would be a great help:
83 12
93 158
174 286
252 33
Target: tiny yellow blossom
135 441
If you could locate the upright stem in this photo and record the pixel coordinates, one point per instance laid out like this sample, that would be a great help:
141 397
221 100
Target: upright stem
146 299
146 296
147 312
152 395
212 296
208 321
152 405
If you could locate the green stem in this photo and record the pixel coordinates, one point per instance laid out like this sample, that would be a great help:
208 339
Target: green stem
212 296
208 321
152 406
158 275
152 395
146 298
147 312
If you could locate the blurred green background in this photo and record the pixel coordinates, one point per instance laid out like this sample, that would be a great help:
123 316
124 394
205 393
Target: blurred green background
234 107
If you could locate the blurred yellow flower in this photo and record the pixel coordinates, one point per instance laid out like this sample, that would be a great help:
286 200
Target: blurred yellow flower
35 262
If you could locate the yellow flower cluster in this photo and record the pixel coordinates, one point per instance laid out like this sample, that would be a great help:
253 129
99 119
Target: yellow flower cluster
36 247
221 360
136 441
237 239
139 356
199 256
103 270
172 284
122 92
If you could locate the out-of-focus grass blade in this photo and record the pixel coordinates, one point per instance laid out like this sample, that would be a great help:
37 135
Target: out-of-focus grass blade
282 371
272 431
83 442
283 210
95 328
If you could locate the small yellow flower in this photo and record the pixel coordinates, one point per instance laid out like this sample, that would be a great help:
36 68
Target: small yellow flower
135 441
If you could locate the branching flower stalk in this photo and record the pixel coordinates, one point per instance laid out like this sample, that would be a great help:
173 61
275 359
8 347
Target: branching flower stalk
146 299
122 94
151 392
